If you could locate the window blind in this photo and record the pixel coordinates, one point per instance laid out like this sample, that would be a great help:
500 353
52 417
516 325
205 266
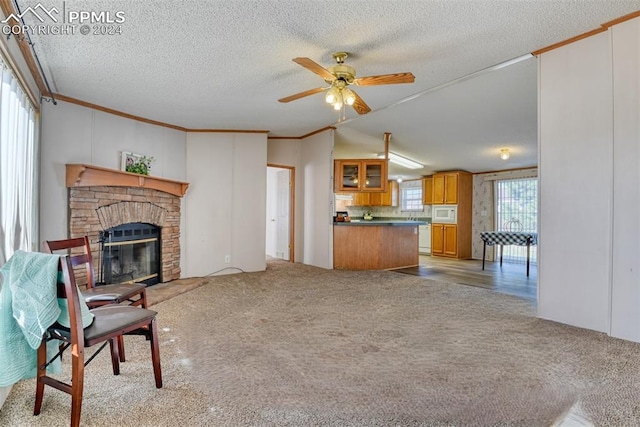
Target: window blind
516 210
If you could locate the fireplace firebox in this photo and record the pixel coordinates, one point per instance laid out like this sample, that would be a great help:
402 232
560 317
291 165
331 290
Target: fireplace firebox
131 253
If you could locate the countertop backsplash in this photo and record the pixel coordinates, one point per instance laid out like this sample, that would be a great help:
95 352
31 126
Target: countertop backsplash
389 213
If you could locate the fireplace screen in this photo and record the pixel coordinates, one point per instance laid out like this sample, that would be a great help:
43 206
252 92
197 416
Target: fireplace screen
131 253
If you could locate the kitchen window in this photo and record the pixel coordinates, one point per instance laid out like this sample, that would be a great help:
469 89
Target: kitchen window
411 196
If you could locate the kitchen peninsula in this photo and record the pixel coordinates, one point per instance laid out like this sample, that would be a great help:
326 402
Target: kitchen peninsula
375 245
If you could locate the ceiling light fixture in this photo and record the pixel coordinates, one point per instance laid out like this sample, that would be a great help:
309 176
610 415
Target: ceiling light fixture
348 96
332 95
504 154
402 161
339 95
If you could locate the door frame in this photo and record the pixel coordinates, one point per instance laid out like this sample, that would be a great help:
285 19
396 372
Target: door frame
292 206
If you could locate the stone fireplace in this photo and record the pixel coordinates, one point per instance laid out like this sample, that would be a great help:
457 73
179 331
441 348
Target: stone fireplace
101 199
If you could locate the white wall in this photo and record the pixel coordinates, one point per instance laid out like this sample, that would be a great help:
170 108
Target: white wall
76 134
576 148
226 203
625 289
316 161
590 183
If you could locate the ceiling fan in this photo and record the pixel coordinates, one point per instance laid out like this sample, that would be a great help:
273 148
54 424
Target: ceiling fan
340 76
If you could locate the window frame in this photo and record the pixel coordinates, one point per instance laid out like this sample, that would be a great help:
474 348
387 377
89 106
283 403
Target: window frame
411 186
512 253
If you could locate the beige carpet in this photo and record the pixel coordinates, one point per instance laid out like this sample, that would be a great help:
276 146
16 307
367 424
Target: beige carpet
302 346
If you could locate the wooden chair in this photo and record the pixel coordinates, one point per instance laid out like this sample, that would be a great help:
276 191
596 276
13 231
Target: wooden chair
79 249
109 323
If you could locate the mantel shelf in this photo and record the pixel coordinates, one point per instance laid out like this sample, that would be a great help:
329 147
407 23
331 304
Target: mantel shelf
79 175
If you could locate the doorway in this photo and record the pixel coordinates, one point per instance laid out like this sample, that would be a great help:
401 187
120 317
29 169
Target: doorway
280 212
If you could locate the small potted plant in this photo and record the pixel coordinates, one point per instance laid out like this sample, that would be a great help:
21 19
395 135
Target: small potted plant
140 165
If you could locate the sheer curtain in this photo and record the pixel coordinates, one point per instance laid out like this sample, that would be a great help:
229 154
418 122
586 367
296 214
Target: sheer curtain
18 168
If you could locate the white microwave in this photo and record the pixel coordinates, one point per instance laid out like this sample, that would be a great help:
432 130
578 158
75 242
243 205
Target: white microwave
444 214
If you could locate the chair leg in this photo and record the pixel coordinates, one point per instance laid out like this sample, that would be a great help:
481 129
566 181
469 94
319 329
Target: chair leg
115 358
41 372
121 348
143 299
155 353
140 302
77 385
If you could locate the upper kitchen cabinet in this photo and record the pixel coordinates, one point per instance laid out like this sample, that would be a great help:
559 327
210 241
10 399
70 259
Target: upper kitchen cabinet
448 186
360 175
427 190
386 198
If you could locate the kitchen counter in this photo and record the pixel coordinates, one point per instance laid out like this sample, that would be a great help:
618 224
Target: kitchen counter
375 245
382 222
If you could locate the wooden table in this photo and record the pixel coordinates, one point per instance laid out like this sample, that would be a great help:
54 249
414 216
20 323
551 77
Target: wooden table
502 238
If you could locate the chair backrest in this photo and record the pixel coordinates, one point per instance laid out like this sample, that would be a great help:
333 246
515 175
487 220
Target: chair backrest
68 289
79 251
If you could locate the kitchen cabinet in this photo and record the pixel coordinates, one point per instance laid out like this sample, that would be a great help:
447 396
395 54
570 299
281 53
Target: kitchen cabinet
427 190
361 199
448 187
360 175
387 198
444 240
453 239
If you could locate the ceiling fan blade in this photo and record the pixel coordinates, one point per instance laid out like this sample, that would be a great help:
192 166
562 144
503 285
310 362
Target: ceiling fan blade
302 94
385 79
359 105
315 68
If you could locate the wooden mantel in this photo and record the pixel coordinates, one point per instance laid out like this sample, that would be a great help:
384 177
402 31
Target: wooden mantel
79 175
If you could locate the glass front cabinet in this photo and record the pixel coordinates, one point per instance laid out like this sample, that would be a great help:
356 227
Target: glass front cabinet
365 175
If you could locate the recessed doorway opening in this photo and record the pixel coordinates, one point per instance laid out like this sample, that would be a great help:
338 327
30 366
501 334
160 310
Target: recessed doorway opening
280 212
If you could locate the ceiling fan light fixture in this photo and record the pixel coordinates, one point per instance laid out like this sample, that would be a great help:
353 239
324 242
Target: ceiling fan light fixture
339 102
402 161
348 96
504 154
332 95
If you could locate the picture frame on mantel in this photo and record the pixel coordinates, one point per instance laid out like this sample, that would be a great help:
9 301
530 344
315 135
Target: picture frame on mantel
129 158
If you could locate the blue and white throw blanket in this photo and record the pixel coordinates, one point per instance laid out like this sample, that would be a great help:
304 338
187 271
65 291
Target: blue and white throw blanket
28 306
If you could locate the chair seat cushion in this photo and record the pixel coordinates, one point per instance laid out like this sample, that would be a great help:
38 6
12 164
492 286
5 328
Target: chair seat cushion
116 292
110 319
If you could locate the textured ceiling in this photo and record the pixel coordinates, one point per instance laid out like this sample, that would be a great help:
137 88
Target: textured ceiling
224 65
